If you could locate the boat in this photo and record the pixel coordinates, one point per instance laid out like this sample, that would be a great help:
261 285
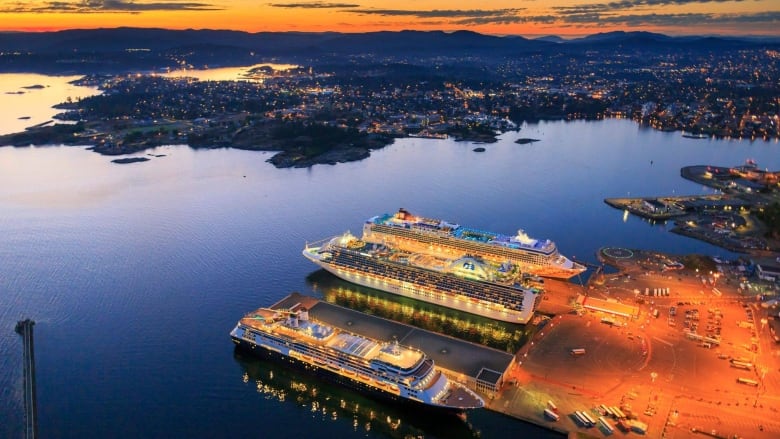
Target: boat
694 135
469 284
433 236
397 372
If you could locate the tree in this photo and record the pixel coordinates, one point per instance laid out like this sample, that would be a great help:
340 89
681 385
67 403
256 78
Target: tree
770 216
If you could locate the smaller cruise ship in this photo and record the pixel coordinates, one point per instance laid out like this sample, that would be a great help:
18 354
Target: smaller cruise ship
469 284
386 369
434 236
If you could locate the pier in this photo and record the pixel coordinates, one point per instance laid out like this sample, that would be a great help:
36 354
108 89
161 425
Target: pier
25 329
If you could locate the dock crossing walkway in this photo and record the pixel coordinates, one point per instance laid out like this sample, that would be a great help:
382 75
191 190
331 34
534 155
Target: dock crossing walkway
25 329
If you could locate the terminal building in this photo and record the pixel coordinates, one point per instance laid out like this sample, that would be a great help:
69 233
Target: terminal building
612 307
768 272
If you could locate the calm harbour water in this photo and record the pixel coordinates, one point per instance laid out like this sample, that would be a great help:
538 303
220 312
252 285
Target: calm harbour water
136 273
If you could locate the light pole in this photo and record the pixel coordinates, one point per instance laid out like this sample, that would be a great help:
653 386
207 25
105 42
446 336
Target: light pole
764 370
651 406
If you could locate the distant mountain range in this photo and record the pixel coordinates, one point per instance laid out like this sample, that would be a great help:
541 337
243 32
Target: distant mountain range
122 48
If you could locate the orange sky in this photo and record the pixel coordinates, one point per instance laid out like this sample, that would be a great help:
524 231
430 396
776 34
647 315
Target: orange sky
520 17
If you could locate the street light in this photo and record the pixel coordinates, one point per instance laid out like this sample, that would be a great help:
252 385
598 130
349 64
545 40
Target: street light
764 370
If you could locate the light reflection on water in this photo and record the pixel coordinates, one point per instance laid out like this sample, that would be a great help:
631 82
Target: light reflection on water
24 106
136 273
327 402
499 335
228 73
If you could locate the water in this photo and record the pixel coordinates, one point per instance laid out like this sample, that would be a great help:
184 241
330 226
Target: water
136 273
228 73
25 104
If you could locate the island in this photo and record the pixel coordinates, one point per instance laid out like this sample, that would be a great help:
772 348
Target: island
130 160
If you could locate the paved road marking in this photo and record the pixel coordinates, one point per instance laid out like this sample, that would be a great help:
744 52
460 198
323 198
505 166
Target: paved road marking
663 341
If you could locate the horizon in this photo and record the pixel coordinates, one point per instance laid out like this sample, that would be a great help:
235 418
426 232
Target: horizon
564 18
565 37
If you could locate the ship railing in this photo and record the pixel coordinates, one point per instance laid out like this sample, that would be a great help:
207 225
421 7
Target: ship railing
318 244
491 292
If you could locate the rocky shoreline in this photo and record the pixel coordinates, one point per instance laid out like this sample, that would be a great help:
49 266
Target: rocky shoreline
296 145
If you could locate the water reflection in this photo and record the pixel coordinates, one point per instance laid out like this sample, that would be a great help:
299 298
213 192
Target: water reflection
333 403
28 99
499 335
257 72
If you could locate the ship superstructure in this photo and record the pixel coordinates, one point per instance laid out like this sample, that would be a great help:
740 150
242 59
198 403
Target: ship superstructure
388 369
433 236
467 283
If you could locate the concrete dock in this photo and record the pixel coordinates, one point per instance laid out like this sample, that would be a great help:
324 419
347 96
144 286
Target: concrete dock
25 329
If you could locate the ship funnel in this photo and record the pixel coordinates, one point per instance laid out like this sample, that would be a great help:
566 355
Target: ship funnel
523 237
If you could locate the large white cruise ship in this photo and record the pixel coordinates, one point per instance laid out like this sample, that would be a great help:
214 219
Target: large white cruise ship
386 369
433 236
467 284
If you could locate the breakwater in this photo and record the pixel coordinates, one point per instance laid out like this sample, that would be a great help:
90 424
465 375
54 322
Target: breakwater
25 329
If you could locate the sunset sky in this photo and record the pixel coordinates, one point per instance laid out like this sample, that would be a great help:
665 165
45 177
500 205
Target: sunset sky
502 17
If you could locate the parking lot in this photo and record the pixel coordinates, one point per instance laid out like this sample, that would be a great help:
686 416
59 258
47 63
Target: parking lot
696 360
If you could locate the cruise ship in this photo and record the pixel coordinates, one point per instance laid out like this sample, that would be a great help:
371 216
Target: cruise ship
467 284
387 369
432 236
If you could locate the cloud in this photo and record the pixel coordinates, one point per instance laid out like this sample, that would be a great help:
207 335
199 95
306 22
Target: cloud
687 19
613 13
97 6
507 19
440 13
314 5
621 5
760 17
463 17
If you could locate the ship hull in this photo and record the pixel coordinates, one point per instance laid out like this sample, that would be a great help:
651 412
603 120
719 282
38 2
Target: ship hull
405 289
331 376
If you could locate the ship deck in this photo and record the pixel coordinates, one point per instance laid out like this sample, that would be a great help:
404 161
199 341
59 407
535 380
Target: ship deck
457 356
